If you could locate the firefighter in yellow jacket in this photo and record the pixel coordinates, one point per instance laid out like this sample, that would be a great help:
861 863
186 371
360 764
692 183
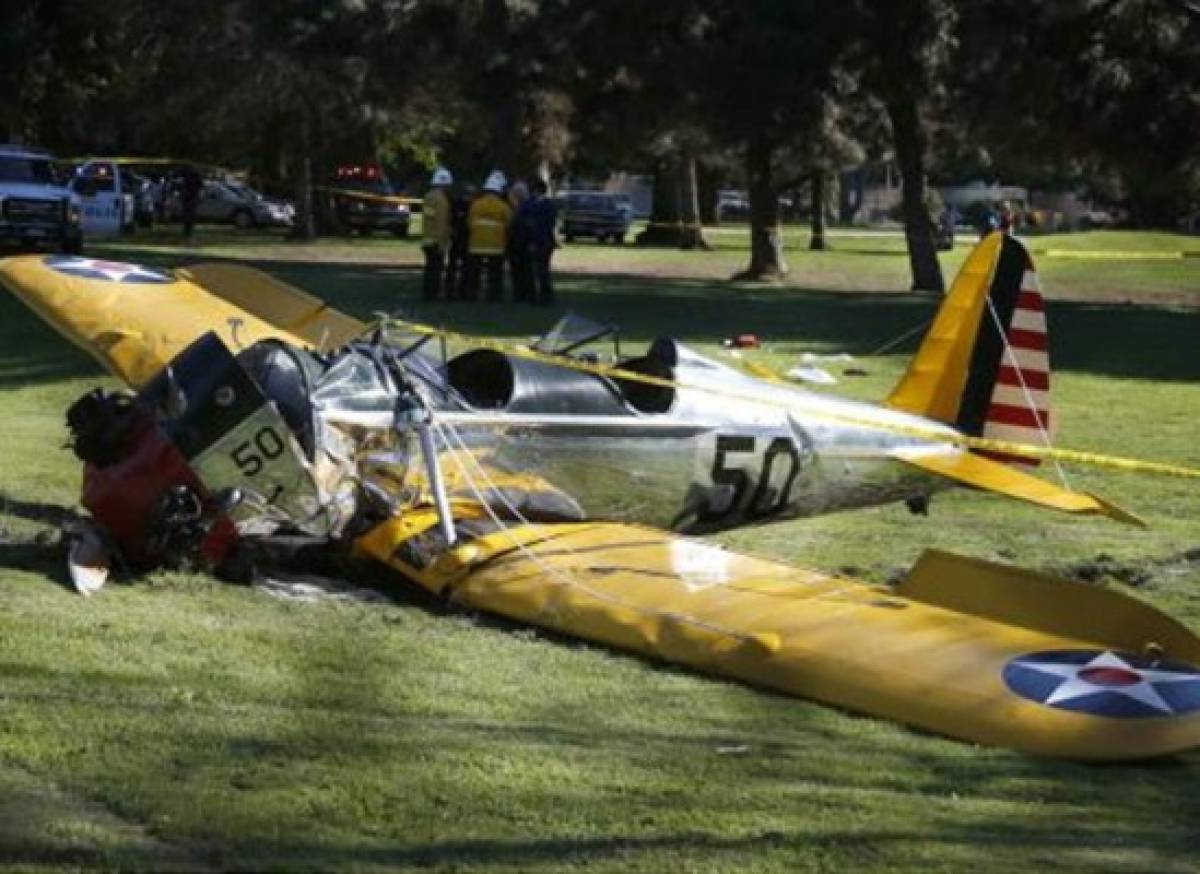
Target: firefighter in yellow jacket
435 224
487 242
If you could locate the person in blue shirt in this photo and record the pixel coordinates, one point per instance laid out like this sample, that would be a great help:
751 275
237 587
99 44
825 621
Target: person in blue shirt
533 230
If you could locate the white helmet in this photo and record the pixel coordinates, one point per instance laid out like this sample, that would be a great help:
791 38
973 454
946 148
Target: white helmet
495 182
441 176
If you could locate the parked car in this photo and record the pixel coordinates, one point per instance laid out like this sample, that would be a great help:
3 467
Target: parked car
732 205
36 207
1096 220
594 214
231 201
364 201
625 203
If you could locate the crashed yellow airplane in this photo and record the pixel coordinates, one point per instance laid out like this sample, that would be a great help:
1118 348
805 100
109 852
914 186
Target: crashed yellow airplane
543 486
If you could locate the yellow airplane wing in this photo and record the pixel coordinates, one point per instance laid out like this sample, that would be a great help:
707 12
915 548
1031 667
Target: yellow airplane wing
1025 672
132 319
992 476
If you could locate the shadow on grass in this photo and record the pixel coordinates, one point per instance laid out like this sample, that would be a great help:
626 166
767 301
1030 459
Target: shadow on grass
42 553
31 353
37 511
537 852
1110 340
40 826
1141 342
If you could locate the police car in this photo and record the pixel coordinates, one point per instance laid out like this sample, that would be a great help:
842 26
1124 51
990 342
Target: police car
36 208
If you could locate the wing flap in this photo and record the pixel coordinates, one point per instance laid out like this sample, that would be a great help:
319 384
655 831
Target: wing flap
276 302
992 476
1028 599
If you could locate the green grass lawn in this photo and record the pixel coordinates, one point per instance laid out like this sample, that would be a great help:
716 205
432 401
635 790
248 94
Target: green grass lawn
176 722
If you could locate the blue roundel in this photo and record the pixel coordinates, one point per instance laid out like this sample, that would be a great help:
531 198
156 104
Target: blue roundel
1105 683
107 271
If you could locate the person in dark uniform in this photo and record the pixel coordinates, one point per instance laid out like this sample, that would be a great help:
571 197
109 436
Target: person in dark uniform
190 184
456 262
519 265
534 227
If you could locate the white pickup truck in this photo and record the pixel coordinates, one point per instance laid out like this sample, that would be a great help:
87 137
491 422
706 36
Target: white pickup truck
36 208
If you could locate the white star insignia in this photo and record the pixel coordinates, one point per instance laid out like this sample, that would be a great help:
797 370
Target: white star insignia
1108 672
114 271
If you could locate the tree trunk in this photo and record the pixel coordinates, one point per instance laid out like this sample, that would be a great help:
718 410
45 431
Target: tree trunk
502 92
663 227
305 226
766 240
909 138
506 140
707 187
691 235
817 183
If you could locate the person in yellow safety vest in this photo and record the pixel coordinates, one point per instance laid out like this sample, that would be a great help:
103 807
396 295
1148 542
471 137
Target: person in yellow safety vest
435 225
487 238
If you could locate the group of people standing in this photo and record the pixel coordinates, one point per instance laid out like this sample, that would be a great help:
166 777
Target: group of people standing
467 238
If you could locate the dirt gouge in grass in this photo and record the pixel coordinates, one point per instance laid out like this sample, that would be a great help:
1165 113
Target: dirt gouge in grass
550 487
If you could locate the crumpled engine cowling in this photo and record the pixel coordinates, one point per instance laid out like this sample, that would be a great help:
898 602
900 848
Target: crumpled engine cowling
341 409
273 440
138 487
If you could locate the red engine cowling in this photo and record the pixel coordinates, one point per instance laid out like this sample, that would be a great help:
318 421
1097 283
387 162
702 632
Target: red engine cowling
128 496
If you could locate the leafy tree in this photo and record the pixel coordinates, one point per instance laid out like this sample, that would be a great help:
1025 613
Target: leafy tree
1101 85
638 102
769 67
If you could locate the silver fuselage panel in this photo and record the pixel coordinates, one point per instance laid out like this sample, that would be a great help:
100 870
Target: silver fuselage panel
731 450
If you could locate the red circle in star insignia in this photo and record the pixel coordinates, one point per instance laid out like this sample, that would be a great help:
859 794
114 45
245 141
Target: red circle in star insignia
1110 676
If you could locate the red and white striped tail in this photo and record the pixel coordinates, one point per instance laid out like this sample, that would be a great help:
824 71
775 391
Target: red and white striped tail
1019 409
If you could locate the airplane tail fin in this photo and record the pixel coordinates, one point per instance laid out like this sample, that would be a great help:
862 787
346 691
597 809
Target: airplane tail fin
983 365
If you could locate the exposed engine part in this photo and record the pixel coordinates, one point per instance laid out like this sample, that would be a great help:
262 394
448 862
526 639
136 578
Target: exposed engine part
103 426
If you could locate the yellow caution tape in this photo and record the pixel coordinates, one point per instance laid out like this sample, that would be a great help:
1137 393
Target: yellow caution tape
964 441
364 195
1112 255
128 160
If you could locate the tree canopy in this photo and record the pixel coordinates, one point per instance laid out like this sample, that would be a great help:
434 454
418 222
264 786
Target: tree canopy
1100 96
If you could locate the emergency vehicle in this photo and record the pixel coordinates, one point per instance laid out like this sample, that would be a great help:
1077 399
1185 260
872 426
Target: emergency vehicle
364 200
